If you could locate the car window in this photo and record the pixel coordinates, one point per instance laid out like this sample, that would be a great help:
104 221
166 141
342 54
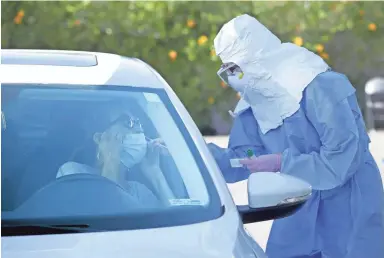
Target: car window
99 156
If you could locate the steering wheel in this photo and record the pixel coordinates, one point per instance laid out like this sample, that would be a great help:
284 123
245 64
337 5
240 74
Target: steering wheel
80 194
76 177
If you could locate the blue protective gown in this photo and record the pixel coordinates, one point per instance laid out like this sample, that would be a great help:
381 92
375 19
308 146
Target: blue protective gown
326 144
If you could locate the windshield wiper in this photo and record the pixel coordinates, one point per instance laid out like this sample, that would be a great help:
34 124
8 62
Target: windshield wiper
43 229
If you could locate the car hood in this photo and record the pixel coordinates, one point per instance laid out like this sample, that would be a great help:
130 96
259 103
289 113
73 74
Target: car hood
222 237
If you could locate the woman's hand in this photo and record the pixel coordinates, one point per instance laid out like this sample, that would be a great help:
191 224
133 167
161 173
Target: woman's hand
159 144
150 167
263 163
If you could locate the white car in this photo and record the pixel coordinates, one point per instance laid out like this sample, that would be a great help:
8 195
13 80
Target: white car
72 186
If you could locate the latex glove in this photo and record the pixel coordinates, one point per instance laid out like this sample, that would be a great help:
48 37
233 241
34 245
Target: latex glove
263 163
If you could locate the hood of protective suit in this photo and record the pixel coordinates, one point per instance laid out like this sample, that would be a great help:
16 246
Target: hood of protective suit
275 73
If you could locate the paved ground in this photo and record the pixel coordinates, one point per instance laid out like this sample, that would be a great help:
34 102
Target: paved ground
260 231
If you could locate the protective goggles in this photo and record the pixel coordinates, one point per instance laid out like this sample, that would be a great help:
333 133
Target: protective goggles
228 69
128 122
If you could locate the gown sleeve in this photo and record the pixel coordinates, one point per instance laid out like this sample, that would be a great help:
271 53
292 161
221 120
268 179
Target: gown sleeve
327 108
243 136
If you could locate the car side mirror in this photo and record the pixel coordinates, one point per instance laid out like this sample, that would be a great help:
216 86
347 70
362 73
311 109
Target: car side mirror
272 196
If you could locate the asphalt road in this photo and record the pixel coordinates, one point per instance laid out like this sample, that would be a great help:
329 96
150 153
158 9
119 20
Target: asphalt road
260 231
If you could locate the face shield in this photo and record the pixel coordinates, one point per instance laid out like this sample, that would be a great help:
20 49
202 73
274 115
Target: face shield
227 70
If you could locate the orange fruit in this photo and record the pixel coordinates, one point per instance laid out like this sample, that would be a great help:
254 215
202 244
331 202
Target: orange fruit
172 55
191 23
298 41
372 27
202 40
319 48
211 100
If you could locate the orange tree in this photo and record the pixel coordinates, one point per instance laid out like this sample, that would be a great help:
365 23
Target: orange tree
176 37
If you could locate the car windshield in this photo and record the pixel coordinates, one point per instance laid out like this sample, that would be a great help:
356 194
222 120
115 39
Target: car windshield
107 157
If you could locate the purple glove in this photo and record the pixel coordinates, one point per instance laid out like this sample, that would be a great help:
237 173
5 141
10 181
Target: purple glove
263 163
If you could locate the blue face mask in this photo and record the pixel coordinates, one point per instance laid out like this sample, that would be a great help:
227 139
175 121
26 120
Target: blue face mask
133 150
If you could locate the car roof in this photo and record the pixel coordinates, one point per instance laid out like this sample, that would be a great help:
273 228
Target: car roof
20 66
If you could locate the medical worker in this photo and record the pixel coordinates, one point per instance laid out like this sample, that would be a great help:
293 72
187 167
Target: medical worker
301 118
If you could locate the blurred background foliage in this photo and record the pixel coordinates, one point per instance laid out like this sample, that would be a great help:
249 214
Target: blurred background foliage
176 38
